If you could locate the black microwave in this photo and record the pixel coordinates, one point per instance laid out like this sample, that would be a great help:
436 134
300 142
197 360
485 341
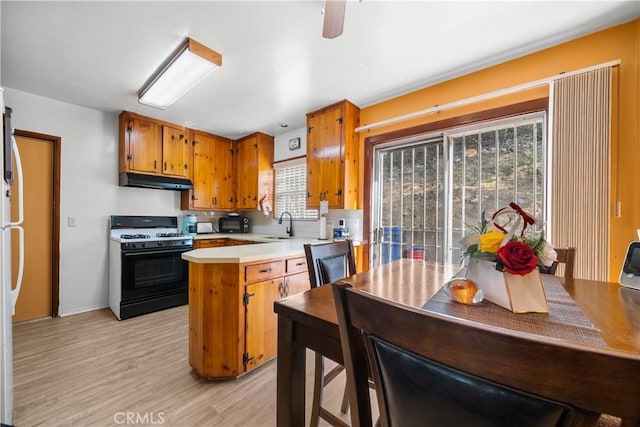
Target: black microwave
233 224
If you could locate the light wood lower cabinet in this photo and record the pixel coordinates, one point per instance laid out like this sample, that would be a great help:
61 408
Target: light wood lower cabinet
232 326
261 323
296 277
219 242
209 243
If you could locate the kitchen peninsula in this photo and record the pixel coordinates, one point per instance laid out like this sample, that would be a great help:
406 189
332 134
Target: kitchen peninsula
232 326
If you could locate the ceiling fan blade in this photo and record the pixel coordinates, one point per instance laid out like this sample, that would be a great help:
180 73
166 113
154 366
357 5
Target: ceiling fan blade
333 18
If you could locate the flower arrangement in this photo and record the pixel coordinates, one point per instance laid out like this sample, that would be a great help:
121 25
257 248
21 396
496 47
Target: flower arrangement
498 241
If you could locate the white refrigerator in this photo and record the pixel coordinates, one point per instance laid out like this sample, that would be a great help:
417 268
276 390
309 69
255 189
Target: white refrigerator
8 292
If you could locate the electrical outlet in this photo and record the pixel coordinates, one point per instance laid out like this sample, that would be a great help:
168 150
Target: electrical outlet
71 221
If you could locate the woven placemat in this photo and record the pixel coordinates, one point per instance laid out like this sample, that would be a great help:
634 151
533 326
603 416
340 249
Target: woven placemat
564 321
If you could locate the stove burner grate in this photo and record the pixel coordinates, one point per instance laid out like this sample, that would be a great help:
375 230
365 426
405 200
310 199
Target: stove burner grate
134 236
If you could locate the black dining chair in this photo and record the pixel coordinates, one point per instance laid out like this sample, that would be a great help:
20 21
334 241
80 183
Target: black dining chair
565 256
328 262
433 370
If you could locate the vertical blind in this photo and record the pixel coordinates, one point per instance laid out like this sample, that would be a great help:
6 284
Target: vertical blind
580 170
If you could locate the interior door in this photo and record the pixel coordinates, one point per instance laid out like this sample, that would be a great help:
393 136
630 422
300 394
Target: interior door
37 164
409 203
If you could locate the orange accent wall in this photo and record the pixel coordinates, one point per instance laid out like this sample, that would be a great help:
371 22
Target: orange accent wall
621 42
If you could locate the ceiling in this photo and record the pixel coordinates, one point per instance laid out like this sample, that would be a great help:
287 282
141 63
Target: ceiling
275 64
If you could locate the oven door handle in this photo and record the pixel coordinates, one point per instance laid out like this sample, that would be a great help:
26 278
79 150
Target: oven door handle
158 252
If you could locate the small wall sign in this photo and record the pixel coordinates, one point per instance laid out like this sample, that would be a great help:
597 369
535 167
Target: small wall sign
294 144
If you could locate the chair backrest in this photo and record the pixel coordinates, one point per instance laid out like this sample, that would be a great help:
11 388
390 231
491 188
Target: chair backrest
328 262
431 369
565 256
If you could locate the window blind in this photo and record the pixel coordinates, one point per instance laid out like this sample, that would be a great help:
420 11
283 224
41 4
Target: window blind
291 190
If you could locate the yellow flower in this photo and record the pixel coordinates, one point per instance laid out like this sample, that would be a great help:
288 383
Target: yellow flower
490 242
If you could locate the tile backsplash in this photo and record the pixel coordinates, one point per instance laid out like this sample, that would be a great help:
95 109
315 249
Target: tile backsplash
263 224
267 225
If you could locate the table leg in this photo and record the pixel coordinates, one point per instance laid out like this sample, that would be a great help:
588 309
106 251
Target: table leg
290 376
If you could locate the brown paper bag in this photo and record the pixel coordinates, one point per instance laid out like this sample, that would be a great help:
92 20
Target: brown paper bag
520 294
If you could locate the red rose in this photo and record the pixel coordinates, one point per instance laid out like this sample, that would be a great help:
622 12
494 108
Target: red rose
517 258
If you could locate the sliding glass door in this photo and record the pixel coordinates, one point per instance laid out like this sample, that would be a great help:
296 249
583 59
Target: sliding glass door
428 192
409 201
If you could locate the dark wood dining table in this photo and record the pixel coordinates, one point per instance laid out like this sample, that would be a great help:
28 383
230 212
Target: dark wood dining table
309 321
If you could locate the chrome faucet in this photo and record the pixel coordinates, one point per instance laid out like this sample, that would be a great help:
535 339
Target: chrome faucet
290 228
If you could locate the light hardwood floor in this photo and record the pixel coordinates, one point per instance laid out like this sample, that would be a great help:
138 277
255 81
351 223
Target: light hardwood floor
93 370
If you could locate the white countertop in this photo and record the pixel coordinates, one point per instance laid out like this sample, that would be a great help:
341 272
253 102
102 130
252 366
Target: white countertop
271 249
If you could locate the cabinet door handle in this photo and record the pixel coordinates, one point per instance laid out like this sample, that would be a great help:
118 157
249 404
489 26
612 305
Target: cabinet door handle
267 270
298 264
155 164
281 290
245 298
165 165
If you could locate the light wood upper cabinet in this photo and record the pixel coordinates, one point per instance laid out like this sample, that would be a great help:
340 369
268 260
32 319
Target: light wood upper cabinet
332 156
254 171
200 196
175 151
222 184
247 172
314 159
153 147
140 144
212 174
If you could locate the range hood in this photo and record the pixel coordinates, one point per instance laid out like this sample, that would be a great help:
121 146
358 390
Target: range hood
130 179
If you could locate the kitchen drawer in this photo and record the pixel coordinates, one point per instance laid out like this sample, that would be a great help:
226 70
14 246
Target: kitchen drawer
296 265
208 243
263 271
235 242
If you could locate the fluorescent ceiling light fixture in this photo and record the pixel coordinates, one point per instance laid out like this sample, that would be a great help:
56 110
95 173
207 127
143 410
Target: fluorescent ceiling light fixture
191 63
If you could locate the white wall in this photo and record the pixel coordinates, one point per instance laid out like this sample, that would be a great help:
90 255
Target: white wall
89 191
281 145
